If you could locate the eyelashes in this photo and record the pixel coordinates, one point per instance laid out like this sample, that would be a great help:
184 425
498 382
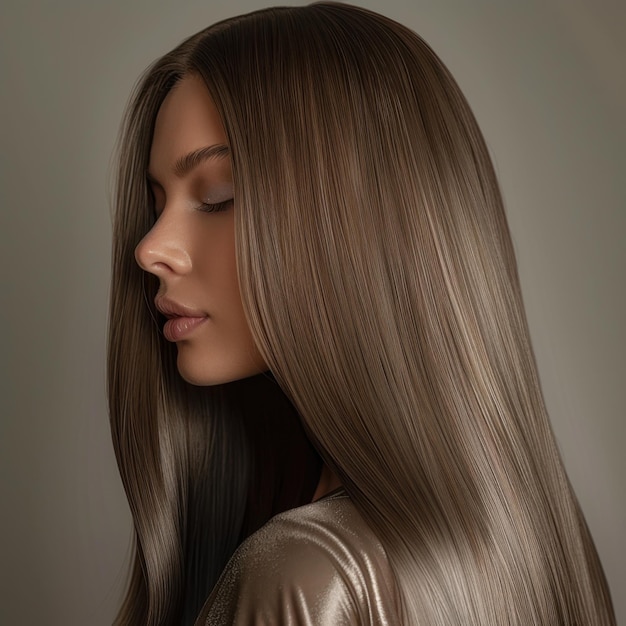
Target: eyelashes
157 199
215 208
205 207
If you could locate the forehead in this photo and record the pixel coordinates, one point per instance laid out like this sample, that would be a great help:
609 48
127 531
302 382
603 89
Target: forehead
186 121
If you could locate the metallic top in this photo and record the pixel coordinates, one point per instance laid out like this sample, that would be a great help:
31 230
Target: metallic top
313 565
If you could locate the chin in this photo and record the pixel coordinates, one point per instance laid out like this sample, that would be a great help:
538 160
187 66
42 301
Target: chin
207 375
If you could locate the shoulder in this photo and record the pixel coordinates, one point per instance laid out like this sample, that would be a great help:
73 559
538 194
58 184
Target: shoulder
316 564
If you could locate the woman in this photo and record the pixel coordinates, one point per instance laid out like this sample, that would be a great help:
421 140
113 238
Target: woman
324 401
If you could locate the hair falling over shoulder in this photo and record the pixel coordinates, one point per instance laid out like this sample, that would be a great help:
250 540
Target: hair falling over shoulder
379 281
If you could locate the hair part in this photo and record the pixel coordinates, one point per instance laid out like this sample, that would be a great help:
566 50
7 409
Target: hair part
379 281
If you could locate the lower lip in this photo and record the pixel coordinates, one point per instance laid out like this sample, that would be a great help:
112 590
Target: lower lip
179 327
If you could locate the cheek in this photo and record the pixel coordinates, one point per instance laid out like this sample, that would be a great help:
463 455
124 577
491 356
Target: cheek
218 272
224 349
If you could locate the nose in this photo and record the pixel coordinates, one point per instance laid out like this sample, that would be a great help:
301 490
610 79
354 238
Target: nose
162 251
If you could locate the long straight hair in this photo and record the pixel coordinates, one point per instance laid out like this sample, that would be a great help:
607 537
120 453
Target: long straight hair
380 284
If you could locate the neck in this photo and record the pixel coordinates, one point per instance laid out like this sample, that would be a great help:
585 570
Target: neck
328 482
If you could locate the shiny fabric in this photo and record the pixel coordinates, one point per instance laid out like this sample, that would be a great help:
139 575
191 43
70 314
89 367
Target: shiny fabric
313 565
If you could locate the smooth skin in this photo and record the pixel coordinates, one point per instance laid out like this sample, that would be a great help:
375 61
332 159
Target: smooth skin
191 247
191 250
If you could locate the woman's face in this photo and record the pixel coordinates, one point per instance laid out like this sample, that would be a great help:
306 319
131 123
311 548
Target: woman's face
191 247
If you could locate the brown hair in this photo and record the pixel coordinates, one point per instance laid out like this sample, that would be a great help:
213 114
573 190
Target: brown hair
379 282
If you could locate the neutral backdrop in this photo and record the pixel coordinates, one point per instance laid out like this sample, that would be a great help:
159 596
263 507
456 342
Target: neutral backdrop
546 81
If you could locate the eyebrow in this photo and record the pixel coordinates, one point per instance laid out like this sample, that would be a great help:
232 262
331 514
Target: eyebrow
190 161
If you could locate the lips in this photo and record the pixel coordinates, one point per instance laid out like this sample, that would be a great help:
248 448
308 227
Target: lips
171 309
182 320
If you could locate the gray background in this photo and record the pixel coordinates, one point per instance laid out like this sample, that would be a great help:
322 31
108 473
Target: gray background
546 80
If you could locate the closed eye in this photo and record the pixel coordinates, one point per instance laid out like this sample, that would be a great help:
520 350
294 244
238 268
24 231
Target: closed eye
215 208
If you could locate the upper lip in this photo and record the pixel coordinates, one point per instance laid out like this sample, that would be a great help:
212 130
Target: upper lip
171 309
